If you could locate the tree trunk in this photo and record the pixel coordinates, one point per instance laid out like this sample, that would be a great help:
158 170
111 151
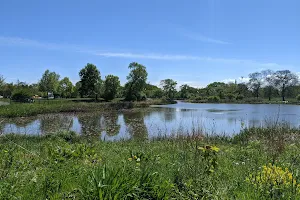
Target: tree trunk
282 92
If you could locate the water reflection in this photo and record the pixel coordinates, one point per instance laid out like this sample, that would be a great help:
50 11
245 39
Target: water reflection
136 127
182 118
54 123
112 127
91 124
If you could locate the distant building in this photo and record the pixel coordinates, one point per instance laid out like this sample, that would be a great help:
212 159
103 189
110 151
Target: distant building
50 95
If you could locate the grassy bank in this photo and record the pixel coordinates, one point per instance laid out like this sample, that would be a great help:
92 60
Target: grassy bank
56 106
257 164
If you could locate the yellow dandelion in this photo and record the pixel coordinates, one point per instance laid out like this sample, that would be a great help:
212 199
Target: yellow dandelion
214 148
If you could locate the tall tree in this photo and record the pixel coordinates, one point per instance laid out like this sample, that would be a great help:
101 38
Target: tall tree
2 83
186 91
90 80
269 88
255 82
65 87
283 79
136 81
169 87
49 82
112 84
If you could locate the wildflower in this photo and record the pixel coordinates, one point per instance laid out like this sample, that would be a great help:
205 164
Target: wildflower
201 148
214 148
271 175
134 157
209 148
138 159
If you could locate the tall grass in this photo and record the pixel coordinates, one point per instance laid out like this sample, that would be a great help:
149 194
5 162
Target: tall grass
57 106
68 166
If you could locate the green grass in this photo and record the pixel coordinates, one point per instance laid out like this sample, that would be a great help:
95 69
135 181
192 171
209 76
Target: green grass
67 166
57 106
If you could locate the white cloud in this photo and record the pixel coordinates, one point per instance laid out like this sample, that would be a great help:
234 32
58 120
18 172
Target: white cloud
238 80
153 56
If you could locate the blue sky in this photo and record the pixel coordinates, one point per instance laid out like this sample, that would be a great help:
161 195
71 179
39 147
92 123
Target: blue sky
194 42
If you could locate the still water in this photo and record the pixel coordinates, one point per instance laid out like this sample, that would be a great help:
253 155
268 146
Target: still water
165 120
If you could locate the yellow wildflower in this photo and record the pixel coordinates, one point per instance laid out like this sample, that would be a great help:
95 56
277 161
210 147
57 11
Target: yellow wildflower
214 148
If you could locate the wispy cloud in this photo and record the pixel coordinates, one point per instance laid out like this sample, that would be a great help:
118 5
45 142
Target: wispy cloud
17 41
152 56
196 36
170 57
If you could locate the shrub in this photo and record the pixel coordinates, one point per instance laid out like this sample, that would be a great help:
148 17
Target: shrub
230 96
213 99
198 98
239 97
22 95
298 97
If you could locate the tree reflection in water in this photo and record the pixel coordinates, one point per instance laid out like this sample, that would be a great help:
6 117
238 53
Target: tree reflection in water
112 127
135 125
55 123
92 124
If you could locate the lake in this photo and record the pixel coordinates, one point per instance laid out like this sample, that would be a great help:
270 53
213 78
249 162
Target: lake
162 120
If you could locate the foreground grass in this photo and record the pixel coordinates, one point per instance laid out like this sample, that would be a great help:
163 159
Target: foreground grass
57 106
66 166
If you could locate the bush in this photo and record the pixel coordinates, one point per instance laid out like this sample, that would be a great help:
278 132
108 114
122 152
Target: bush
22 96
198 98
213 99
230 96
298 97
239 97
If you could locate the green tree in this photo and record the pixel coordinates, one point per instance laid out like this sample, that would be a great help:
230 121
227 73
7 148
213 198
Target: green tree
2 84
112 84
90 80
255 82
153 91
49 82
8 89
187 91
76 89
283 79
169 87
65 87
216 89
1 81
136 81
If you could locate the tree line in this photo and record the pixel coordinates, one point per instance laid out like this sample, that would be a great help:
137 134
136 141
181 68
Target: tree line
265 84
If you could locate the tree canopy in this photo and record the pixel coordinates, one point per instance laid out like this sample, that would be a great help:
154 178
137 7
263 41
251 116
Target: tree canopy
136 81
169 88
49 82
90 81
112 84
